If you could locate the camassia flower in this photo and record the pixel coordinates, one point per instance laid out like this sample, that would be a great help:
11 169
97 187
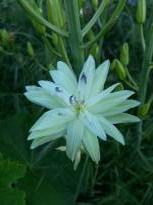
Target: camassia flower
80 111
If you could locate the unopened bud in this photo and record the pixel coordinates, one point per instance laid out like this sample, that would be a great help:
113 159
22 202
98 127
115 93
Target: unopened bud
119 87
119 68
141 11
4 37
95 3
81 3
30 49
124 54
144 109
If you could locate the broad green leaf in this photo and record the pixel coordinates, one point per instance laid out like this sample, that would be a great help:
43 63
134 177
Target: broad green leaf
10 172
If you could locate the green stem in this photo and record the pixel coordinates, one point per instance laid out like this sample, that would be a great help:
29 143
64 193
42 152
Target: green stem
81 178
26 5
144 75
75 35
5 52
144 79
50 48
109 24
131 79
142 37
93 20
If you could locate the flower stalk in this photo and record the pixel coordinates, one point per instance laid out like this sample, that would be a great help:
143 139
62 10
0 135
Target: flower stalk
75 35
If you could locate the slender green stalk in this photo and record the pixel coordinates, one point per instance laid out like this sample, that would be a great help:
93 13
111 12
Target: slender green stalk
50 48
142 37
109 24
144 79
131 79
144 75
75 35
93 20
81 178
25 4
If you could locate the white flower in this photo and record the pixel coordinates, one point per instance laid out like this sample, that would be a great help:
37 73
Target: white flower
83 112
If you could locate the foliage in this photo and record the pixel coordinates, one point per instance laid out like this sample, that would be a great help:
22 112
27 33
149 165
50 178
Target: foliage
10 172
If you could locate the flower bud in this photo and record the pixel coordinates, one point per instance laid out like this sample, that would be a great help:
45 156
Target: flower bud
55 39
95 3
55 13
30 49
119 68
4 35
124 54
81 3
119 87
141 11
144 109
94 50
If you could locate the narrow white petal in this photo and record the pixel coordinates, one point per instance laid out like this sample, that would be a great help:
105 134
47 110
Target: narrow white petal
42 98
91 144
62 96
112 131
77 160
86 78
65 81
43 140
74 137
122 118
110 89
93 124
103 103
100 78
32 87
63 67
47 132
124 106
53 118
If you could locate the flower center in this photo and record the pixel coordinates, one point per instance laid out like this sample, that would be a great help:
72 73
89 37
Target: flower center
79 106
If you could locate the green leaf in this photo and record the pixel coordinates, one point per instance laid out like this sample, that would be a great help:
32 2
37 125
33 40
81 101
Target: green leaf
13 137
10 172
51 181
50 177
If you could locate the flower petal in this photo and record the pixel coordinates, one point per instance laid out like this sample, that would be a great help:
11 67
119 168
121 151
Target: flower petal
74 137
65 81
103 103
77 160
100 78
122 118
53 118
47 132
40 97
62 96
32 88
93 124
91 144
124 106
86 78
110 89
63 67
42 140
111 130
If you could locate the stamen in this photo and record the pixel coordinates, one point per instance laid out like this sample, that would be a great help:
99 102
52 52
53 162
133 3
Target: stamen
72 99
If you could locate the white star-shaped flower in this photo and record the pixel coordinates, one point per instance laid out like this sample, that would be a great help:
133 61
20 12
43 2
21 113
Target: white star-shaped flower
83 112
